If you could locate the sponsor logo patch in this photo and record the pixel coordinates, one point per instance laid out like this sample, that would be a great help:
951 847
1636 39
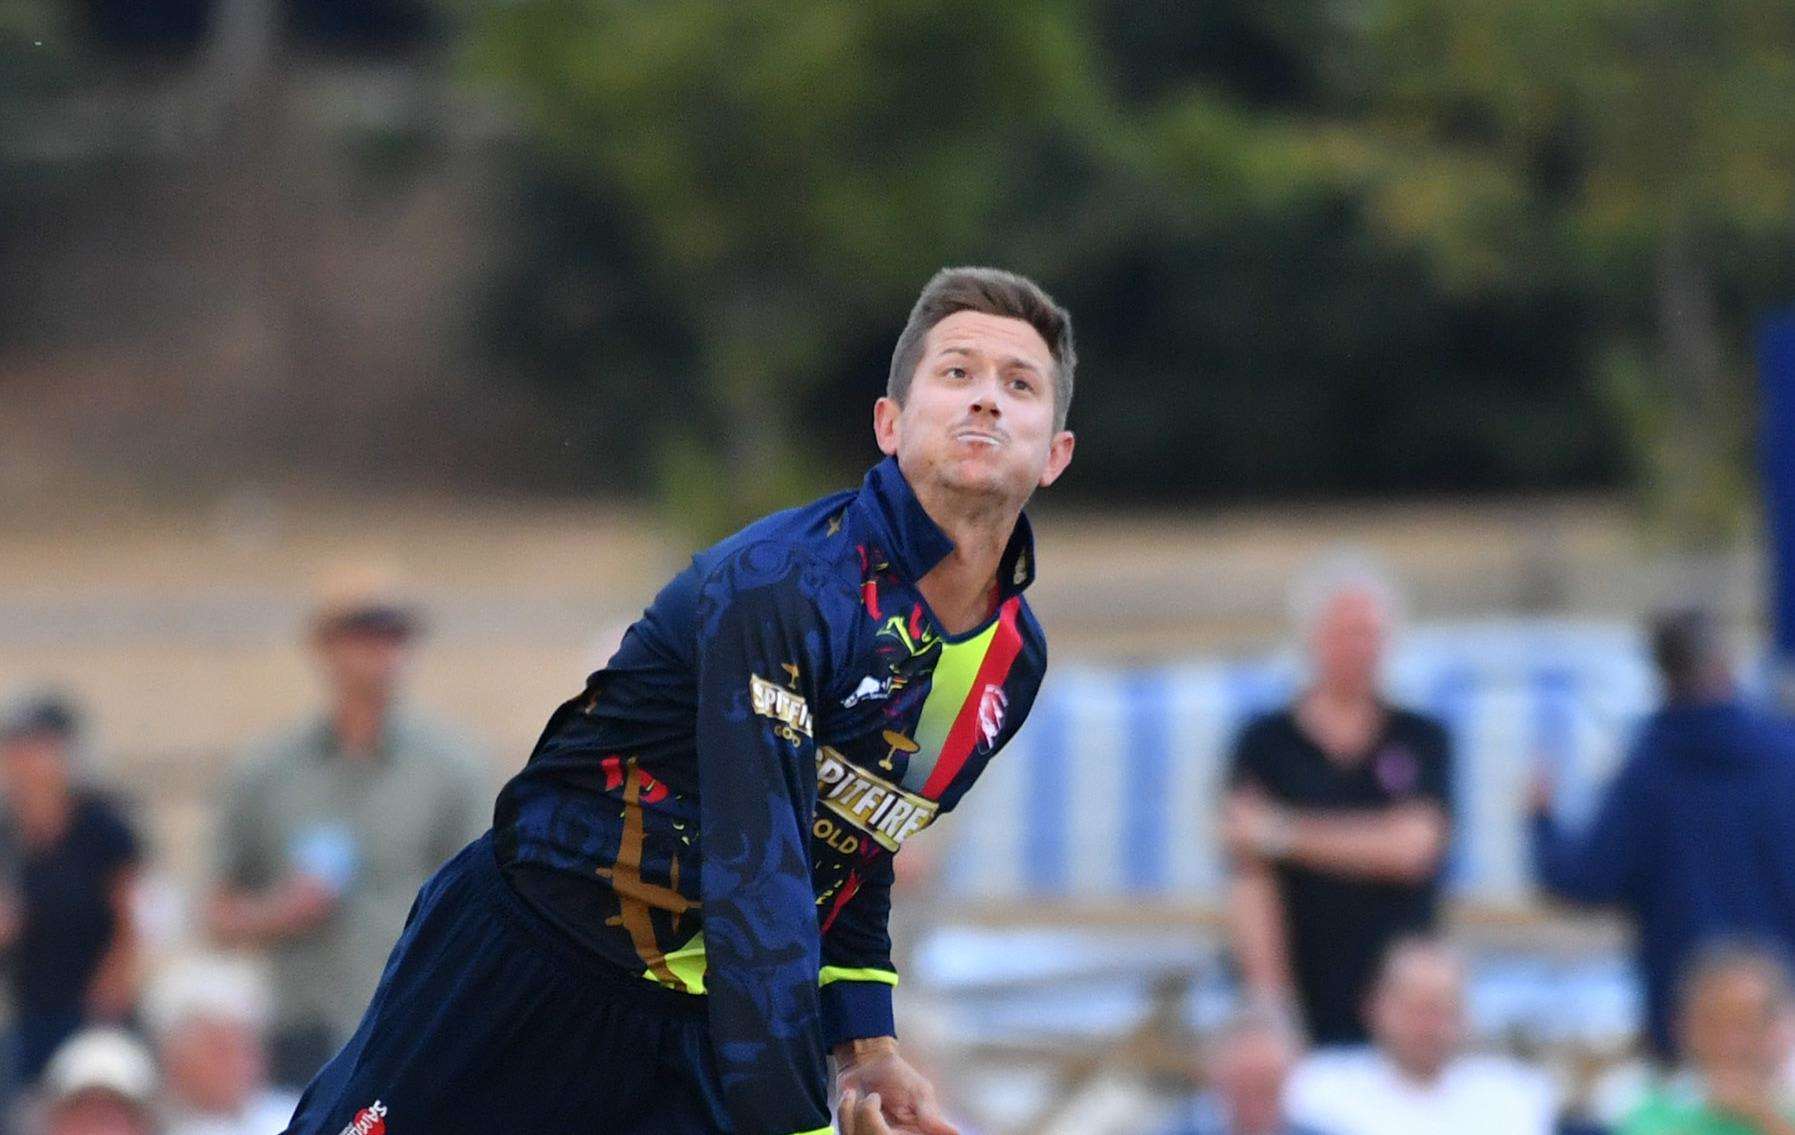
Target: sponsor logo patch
780 704
869 689
869 804
370 1120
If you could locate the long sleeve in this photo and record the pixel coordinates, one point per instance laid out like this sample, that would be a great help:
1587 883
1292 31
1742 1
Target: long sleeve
760 655
1598 865
857 975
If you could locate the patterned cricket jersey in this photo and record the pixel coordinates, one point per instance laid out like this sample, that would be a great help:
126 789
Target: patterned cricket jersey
719 809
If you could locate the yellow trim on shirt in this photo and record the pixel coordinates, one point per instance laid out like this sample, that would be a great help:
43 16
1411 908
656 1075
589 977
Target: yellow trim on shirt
832 974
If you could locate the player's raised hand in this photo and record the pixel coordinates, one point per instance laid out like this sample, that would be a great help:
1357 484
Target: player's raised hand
860 1115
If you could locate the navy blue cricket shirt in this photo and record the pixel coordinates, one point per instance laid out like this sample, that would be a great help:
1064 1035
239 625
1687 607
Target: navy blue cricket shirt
719 809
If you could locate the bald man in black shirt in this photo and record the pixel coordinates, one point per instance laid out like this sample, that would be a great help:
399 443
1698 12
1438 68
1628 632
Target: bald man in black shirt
1337 818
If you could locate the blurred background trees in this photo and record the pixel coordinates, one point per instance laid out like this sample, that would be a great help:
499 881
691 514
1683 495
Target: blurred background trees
1382 247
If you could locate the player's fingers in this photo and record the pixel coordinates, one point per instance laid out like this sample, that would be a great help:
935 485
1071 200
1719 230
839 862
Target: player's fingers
868 1120
859 1114
930 1121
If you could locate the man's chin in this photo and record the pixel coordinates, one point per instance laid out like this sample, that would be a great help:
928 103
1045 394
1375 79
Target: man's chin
974 477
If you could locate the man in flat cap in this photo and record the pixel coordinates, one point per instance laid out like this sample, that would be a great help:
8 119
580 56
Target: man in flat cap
327 829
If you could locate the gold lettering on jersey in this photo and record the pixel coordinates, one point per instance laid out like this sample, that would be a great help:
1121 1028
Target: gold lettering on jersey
779 703
872 806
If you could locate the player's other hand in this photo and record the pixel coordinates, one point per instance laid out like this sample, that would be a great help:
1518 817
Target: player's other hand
908 1103
859 1115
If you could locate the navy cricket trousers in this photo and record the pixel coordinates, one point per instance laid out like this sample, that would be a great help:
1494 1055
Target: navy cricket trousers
488 1022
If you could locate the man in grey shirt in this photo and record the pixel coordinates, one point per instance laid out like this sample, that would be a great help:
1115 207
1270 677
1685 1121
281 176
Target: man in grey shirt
328 830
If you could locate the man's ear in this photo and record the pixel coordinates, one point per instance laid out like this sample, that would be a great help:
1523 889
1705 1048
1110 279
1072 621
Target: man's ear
1059 455
886 413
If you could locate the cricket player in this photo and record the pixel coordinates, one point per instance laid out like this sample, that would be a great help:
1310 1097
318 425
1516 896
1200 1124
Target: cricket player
681 909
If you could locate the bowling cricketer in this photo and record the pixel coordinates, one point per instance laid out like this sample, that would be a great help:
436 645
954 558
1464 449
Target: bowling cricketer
681 909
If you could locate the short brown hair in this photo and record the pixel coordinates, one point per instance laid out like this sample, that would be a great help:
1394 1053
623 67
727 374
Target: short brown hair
991 291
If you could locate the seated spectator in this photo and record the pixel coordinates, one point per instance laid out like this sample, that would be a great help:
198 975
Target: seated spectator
1415 1078
1732 1018
209 1018
102 1082
72 860
1247 1062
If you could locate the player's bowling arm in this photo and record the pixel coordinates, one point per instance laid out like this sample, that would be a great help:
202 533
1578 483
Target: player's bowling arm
858 976
757 677
1403 843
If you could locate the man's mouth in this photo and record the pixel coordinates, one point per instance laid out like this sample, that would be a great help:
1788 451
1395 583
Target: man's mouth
979 437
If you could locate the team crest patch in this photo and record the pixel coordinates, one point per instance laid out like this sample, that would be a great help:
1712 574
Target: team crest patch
993 705
370 1120
780 704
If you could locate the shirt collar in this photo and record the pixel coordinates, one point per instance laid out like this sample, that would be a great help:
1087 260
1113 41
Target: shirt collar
915 543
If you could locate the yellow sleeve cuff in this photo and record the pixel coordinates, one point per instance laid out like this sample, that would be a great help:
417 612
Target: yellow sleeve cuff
829 975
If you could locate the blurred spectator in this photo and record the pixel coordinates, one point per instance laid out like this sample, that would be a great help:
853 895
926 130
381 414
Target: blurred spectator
208 1016
1415 1079
1732 1023
72 860
1248 1062
102 1082
1704 764
1337 816
328 831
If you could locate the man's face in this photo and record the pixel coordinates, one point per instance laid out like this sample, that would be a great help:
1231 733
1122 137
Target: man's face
1249 1077
979 417
1417 1013
96 1113
212 1065
34 764
363 663
1348 639
1733 1023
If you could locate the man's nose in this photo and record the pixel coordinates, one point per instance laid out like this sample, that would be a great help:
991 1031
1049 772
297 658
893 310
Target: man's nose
984 398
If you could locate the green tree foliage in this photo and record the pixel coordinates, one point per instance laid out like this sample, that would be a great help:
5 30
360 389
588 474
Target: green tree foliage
1636 153
1389 245
789 173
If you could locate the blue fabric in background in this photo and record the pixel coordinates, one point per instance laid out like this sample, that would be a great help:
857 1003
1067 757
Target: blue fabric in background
1776 361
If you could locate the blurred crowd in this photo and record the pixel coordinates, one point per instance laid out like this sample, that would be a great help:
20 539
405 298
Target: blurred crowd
1337 816
324 834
